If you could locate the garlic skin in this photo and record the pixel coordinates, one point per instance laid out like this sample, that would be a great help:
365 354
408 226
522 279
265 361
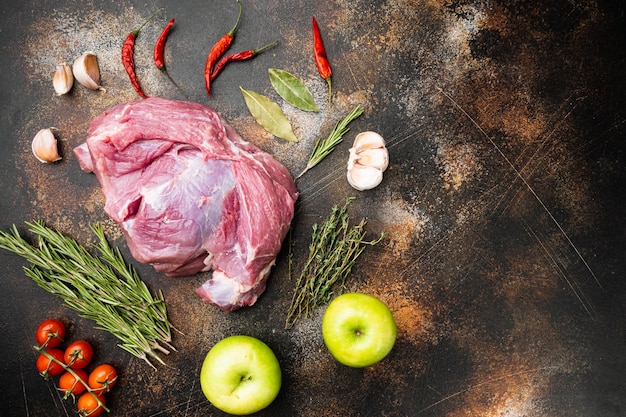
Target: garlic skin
44 146
87 71
63 79
368 160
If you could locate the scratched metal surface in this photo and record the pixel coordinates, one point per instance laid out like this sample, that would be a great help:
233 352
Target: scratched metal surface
503 206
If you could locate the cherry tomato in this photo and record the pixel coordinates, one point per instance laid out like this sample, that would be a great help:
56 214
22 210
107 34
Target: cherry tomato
103 378
78 354
48 367
88 405
50 333
70 386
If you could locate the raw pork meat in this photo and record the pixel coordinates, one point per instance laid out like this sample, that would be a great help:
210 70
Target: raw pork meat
191 195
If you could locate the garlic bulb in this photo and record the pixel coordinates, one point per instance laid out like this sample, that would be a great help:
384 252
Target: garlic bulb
44 146
87 71
368 160
62 80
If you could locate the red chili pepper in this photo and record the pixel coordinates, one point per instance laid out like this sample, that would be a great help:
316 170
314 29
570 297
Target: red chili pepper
218 50
159 46
321 60
239 56
128 50
159 54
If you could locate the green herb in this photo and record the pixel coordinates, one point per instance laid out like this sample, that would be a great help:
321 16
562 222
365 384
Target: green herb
334 248
269 115
323 147
105 289
292 90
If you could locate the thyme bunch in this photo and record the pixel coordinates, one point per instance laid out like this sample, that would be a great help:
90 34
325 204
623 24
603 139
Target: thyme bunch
323 147
334 248
101 288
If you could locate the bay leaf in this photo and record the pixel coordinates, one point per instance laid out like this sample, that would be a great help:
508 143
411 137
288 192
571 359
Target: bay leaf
269 115
292 90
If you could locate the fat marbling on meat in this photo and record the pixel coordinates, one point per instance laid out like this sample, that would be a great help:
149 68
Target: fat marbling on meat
191 195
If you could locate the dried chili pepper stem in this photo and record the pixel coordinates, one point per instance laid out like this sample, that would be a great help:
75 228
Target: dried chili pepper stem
218 50
321 60
239 56
128 50
159 54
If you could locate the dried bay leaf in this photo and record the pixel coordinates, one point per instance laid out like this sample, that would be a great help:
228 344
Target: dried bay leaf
292 90
269 115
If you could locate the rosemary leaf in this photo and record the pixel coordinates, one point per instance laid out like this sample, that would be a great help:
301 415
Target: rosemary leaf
323 147
334 248
104 289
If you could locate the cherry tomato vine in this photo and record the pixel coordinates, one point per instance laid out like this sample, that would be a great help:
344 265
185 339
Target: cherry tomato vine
71 364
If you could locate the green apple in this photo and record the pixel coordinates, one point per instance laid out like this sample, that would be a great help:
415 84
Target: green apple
240 375
358 329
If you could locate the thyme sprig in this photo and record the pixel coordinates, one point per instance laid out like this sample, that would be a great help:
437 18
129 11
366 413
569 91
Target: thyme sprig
334 248
323 147
102 288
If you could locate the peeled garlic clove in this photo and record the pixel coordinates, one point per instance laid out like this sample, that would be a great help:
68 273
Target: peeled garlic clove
368 140
87 72
376 158
44 146
362 177
62 80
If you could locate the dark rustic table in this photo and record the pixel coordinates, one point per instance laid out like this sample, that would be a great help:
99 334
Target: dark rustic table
503 206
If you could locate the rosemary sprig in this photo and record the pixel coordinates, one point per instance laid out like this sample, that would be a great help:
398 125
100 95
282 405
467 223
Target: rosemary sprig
102 288
323 147
334 248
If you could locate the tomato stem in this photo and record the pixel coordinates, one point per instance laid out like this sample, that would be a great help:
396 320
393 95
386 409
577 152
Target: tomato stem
51 335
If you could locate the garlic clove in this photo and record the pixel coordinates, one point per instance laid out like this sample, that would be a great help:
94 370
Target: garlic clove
44 146
87 71
362 177
63 79
368 140
376 158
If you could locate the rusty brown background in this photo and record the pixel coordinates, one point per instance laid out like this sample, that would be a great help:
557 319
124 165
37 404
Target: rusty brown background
503 206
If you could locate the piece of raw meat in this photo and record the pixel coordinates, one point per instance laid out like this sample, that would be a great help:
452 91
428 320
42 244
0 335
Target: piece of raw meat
191 195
